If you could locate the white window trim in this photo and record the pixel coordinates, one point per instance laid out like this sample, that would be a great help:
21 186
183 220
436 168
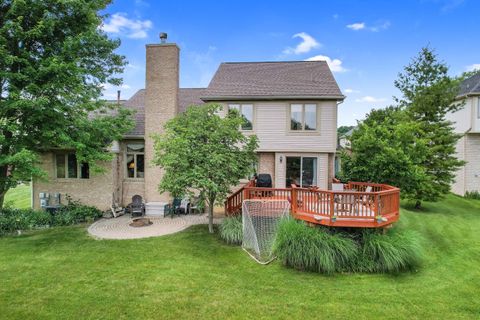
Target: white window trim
289 118
240 106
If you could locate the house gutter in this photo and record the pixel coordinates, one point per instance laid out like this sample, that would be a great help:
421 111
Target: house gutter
269 98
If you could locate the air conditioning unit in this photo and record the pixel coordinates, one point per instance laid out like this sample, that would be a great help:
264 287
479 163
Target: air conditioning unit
44 197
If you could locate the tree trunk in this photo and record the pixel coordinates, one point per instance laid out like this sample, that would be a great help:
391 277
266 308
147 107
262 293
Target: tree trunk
2 199
211 203
3 184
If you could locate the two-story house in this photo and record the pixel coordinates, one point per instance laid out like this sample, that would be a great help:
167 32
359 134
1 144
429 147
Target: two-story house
290 106
467 123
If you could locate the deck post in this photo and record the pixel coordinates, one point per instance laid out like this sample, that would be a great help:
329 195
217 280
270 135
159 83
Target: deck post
294 200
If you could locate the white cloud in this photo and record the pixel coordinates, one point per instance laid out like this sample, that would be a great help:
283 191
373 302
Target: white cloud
352 91
308 43
120 24
473 67
370 99
356 26
334 64
363 26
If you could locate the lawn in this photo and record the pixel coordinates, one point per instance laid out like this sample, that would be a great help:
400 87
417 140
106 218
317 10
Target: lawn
19 197
63 273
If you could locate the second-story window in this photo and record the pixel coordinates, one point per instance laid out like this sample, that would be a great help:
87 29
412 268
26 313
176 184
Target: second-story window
303 117
135 160
246 111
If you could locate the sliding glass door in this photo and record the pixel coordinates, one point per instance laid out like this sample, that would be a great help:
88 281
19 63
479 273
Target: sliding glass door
301 171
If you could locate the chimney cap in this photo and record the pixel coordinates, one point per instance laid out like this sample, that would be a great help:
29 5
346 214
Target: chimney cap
163 37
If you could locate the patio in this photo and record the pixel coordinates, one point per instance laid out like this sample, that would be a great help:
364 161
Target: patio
119 228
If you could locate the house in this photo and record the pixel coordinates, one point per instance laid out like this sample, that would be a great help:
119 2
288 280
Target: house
467 123
290 106
344 145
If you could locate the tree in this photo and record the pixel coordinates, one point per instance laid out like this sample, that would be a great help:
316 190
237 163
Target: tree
54 59
204 152
385 149
411 145
428 94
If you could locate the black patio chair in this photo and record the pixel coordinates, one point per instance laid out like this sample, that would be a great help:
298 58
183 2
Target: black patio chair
137 207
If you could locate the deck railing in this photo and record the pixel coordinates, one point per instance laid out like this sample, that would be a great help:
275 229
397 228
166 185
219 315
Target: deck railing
353 207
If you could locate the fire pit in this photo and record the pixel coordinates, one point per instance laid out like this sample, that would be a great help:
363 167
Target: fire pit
140 222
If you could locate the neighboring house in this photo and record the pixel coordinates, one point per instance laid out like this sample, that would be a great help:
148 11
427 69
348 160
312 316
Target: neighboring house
290 106
467 123
344 145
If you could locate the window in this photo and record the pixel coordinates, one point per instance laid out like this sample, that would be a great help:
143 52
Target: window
246 111
301 171
303 117
68 167
135 160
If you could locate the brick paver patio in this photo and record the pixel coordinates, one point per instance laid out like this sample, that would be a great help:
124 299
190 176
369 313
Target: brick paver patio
119 228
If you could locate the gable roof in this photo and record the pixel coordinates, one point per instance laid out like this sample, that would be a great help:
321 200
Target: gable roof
470 85
273 80
186 97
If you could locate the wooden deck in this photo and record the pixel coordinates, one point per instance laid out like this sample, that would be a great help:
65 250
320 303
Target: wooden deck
353 207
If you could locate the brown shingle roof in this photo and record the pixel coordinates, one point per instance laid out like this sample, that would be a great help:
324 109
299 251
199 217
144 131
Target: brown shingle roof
270 80
186 97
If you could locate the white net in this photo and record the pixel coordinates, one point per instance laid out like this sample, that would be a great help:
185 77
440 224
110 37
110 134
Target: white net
260 221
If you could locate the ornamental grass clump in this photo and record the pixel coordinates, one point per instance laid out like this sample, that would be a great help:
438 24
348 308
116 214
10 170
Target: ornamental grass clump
313 249
393 252
231 230
331 250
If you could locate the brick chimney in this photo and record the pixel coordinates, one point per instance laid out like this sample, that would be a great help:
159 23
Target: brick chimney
161 104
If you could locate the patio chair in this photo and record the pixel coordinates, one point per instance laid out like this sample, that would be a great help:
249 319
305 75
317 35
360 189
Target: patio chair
195 205
137 207
173 208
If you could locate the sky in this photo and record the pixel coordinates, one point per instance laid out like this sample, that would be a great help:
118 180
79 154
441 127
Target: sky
365 43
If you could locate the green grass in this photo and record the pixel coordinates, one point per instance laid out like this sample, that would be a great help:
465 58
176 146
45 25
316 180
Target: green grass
63 273
19 197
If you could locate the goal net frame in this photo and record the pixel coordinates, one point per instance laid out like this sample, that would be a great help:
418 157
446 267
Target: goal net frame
260 220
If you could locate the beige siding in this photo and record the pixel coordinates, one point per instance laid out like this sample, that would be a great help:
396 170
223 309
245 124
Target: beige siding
96 191
472 156
458 187
271 126
462 119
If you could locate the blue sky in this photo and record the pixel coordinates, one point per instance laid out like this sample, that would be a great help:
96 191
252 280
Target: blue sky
366 43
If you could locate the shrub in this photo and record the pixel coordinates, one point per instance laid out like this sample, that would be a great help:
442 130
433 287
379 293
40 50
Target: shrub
472 195
231 230
12 220
393 252
324 250
313 249
74 213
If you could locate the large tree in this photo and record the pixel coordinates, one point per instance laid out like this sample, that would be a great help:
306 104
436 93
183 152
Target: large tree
411 145
54 59
428 94
203 152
